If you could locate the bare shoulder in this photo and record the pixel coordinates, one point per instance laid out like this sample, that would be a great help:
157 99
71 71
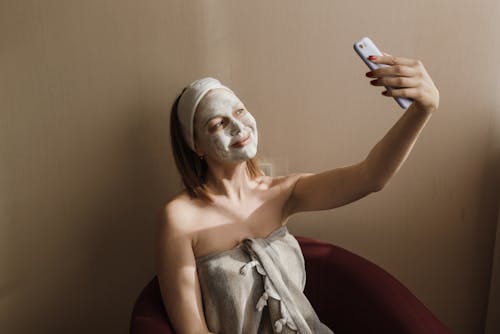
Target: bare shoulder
177 215
286 185
287 182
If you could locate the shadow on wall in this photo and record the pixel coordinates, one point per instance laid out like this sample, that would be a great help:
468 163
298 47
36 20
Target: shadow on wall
82 246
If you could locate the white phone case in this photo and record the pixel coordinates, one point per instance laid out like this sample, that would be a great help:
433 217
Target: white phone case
364 48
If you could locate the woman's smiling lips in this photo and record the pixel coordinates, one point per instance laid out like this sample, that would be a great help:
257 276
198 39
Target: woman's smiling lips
241 143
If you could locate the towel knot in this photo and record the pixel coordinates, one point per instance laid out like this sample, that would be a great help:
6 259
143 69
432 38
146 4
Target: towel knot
278 324
262 301
246 266
269 291
285 318
254 263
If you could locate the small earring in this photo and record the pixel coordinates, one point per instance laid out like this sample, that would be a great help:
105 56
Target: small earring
201 157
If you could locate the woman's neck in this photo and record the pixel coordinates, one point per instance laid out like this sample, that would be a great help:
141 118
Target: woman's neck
229 181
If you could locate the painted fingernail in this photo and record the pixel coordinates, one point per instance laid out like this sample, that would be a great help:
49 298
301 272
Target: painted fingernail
372 57
384 93
373 82
369 74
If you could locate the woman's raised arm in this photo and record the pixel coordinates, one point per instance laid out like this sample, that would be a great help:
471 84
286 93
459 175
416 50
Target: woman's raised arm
344 185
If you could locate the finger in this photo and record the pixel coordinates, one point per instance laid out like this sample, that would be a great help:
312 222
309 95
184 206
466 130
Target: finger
395 82
392 60
411 93
398 70
386 54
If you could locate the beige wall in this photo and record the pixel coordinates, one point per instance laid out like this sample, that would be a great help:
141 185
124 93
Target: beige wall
85 162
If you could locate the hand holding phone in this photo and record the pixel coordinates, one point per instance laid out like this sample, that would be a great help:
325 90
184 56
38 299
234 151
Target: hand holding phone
364 48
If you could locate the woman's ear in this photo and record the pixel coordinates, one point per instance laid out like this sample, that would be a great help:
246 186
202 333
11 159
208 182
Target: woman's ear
198 151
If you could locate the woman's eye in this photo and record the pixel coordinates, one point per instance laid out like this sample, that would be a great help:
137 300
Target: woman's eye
218 124
240 111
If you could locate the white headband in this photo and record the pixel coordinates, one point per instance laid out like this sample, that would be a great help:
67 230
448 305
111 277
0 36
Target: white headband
189 101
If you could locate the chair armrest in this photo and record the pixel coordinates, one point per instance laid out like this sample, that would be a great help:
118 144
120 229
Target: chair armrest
350 294
149 315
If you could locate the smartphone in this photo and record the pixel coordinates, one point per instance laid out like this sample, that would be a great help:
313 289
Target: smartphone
364 48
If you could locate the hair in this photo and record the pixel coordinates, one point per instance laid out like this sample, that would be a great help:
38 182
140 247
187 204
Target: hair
192 169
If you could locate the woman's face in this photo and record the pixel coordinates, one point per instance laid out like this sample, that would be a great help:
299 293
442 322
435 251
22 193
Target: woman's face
223 128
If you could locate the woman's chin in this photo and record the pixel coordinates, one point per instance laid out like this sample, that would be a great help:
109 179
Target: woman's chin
242 155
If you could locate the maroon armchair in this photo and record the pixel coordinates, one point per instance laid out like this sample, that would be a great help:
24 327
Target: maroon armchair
349 294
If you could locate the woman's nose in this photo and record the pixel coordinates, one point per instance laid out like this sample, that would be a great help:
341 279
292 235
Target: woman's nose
236 127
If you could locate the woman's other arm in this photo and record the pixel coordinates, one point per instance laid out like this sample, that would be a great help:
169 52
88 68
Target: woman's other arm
177 275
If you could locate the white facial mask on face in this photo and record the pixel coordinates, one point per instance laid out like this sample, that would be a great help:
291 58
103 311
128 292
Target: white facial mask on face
222 120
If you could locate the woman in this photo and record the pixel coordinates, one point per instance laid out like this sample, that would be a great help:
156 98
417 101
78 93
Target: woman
225 260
